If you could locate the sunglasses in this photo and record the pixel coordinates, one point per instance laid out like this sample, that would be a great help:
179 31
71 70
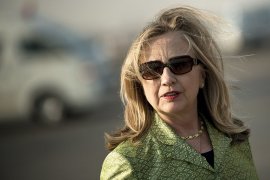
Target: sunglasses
178 65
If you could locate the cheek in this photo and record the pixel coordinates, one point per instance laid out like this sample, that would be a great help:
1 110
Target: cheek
151 92
193 90
192 87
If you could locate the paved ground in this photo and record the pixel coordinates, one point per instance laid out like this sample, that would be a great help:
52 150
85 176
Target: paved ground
75 150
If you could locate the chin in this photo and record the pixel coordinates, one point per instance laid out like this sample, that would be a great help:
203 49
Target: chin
172 109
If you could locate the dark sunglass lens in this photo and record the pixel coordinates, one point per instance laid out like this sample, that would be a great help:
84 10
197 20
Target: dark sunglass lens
151 70
181 65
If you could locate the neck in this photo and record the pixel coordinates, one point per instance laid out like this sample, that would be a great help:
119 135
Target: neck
183 124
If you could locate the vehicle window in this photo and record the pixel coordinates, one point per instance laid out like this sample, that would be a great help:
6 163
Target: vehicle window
44 43
39 45
33 46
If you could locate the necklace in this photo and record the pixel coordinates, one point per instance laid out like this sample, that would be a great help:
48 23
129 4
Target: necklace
195 135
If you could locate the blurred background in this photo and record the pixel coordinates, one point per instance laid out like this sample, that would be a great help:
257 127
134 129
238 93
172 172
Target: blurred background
59 79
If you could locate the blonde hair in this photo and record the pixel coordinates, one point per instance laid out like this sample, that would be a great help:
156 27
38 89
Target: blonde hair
213 99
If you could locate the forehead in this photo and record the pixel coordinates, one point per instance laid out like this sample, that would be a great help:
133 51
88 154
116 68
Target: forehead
166 46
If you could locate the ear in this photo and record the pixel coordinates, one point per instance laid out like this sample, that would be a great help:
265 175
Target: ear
203 76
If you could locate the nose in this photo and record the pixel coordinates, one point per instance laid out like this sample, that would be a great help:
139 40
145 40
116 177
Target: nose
167 78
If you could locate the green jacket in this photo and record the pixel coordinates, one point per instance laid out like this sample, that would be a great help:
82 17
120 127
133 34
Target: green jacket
163 155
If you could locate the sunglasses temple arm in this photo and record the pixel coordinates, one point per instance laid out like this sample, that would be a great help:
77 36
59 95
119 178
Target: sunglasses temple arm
196 61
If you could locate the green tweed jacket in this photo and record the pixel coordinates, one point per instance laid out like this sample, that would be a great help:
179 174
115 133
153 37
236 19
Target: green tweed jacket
163 155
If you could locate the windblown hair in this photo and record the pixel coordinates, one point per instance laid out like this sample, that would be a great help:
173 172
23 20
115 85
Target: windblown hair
213 99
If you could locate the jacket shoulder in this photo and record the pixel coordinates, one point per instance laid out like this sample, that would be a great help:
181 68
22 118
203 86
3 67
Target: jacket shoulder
146 145
116 166
122 162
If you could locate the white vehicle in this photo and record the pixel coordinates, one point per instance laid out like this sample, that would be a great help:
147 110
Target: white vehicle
42 77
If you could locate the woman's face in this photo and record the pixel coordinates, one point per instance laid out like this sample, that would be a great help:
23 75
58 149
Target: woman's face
170 93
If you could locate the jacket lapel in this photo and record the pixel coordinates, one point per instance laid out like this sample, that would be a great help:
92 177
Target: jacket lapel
178 148
220 143
185 152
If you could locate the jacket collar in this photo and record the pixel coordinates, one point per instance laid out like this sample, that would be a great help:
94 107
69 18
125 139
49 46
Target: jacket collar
183 151
220 143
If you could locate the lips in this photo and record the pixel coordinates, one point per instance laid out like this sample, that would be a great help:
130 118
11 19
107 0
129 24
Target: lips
170 95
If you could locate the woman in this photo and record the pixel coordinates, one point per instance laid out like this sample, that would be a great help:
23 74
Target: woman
178 121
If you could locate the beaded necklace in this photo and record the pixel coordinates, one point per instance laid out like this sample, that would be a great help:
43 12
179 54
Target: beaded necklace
195 135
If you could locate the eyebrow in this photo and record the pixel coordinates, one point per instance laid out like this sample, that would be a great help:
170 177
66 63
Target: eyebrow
172 58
